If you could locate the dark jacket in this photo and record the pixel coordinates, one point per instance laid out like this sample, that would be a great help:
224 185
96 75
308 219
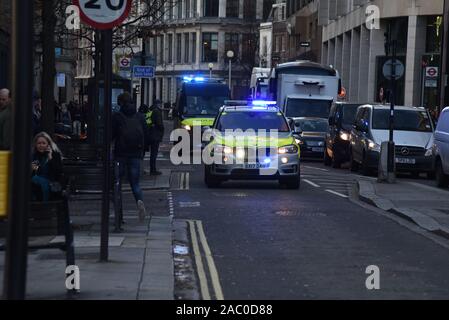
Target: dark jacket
50 169
157 124
117 122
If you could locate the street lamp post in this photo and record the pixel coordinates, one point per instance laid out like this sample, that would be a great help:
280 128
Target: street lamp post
230 55
211 66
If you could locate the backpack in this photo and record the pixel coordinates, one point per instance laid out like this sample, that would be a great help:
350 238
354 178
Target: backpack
131 135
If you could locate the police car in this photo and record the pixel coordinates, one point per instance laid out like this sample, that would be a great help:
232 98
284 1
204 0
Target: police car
252 141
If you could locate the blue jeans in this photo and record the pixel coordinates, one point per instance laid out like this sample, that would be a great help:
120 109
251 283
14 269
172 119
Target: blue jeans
43 185
132 167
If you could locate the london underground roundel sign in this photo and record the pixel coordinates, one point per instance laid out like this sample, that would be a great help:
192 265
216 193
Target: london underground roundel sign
103 14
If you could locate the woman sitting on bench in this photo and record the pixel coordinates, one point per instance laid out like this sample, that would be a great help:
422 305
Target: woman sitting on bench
46 167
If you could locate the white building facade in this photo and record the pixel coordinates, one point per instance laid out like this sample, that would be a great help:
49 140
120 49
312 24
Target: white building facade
196 35
354 44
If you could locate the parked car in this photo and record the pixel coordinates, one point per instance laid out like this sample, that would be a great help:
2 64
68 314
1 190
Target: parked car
312 132
413 137
442 150
341 120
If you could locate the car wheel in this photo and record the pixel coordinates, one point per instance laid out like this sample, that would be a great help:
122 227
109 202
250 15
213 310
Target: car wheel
354 164
431 175
293 183
441 178
336 164
209 179
327 159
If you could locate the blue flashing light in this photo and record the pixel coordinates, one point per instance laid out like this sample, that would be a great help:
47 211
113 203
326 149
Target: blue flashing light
199 79
259 108
187 79
263 103
267 160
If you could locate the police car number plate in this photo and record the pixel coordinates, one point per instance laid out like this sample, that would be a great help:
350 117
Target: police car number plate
256 165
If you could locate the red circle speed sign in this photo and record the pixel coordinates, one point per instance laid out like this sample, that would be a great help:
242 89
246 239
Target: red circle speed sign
103 14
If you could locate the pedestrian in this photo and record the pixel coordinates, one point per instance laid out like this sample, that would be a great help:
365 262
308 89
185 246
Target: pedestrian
130 134
46 168
37 114
77 120
144 109
5 119
156 125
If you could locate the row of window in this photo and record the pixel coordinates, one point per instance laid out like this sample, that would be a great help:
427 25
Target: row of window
189 8
209 47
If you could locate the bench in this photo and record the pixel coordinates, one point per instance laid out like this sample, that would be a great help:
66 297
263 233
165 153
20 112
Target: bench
46 221
85 181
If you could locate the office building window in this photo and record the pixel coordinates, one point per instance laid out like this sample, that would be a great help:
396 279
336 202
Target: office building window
187 6
248 48
210 47
186 48
179 9
267 5
178 47
249 10
211 8
232 43
170 48
193 47
232 8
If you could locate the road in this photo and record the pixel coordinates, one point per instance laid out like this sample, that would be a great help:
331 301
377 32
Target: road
267 242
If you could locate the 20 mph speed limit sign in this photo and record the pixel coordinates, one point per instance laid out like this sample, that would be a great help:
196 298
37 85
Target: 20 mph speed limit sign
103 14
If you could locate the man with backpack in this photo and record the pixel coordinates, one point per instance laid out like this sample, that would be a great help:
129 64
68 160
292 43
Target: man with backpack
155 123
131 134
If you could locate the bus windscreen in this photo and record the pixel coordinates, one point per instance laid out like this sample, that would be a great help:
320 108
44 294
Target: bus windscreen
298 108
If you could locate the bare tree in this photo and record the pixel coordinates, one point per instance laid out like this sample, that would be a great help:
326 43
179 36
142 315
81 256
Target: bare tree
51 30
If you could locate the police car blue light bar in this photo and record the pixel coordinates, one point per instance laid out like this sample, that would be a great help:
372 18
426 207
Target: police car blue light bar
263 103
199 79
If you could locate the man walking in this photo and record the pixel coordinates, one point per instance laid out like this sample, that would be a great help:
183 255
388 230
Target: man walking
156 125
5 119
130 133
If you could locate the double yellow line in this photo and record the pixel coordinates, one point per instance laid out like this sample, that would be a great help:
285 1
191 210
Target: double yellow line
199 237
184 181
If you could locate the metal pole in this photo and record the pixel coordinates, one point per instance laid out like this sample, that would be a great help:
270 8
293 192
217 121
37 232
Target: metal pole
391 146
143 81
107 71
20 171
230 85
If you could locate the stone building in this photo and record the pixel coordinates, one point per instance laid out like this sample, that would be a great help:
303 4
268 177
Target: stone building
353 42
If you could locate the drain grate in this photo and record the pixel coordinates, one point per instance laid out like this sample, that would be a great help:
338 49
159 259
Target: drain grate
233 194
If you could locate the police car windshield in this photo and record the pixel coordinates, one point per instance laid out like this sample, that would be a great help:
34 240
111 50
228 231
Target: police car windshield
203 105
252 120
404 120
297 108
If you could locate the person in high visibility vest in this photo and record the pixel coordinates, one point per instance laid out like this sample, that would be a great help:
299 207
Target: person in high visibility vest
156 124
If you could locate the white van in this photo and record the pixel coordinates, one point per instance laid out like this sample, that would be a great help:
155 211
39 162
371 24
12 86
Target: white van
442 149
413 137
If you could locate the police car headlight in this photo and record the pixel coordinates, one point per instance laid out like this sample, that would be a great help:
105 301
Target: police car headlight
187 127
345 136
223 149
288 149
429 152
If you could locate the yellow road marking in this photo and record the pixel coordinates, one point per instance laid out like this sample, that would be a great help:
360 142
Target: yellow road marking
210 261
181 183
199 264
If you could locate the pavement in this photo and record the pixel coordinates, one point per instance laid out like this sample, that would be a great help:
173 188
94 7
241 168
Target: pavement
140 263
423 205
